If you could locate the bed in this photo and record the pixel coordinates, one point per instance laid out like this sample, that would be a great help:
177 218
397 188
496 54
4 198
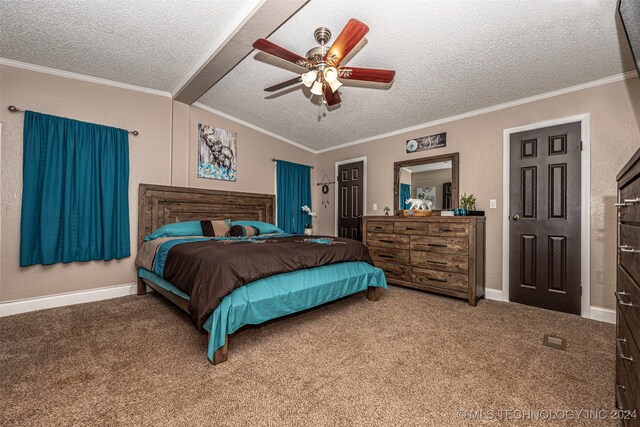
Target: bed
188 266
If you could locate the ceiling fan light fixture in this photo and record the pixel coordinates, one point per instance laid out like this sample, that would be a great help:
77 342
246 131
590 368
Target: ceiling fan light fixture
330 74
335 85
309 77
316 89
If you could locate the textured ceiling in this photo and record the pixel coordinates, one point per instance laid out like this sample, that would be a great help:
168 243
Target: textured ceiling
150 43
451 57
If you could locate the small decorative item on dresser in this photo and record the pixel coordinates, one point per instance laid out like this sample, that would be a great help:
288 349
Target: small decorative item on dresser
386 210
308 226
467 204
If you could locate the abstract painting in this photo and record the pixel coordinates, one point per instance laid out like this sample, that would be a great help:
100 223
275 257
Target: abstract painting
217 153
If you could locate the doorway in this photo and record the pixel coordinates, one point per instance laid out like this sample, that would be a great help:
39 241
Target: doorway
546 225
350 197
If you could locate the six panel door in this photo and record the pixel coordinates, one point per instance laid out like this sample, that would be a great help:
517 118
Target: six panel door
350 200
544 241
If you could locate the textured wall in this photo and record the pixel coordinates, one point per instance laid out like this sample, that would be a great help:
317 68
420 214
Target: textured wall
149 162
615 135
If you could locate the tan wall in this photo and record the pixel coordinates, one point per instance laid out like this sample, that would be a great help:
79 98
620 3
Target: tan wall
256 171
149 155
615 135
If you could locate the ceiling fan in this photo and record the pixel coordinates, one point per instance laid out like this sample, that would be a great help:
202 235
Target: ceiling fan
324 64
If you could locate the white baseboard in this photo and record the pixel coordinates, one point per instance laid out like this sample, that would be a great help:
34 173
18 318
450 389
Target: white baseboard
9 308
493 294
596 313
603 314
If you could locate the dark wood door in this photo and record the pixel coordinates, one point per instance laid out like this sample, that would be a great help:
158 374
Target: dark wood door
350 200
544 249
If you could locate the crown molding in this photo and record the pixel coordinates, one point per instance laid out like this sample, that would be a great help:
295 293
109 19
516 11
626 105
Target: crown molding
252 126
517 102
82 77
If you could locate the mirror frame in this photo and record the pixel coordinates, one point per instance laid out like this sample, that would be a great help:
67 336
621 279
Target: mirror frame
455 175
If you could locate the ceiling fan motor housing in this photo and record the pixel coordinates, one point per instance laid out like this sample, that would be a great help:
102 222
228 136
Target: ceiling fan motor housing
322 35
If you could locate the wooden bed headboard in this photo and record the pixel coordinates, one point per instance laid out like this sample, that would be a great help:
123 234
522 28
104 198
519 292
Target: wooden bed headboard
163 204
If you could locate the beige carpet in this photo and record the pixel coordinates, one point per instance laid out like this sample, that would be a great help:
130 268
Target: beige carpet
412 358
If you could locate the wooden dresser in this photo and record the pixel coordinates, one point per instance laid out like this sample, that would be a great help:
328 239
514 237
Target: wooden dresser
628 291
438 254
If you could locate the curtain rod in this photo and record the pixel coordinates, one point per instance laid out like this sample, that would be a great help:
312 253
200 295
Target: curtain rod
15 109
273 159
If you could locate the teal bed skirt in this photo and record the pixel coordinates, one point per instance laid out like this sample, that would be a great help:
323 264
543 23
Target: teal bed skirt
280 295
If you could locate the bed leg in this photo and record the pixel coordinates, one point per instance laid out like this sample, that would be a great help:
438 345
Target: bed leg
221 354
373 293
142 287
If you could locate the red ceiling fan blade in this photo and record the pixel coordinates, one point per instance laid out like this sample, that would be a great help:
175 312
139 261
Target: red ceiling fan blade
284 84
332 98
366 74
282 53
351 34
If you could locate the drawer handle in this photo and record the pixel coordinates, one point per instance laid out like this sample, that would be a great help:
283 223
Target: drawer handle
436 279
388 271
628 249
619 397
632 201
377 227
436 245
386 241
429 261
447 230
620 352
621 302
385 256
409 228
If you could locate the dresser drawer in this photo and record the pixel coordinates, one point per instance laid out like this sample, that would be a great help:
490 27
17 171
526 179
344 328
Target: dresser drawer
626 395
380 226
440 279
395 271
407 227
631 194
627 293
630 250
445 245
389 255
449 229
388 240
442 262
628 360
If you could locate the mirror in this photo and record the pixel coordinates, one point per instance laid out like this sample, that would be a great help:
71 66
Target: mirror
433 180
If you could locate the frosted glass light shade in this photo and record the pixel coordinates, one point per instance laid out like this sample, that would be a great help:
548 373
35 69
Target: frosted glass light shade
316 89
330 74
335 85
309 77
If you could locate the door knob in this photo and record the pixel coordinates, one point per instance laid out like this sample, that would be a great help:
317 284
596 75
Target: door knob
515 217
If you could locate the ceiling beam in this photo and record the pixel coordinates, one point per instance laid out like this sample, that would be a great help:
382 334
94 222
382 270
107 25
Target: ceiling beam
268 16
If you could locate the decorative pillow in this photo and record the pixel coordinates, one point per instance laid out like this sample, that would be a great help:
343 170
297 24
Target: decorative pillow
177 229
243 231
263 227
213 228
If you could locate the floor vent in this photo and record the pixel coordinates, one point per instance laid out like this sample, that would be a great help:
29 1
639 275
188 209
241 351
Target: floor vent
555 342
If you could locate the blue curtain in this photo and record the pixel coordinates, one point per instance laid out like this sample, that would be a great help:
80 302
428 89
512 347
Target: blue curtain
405 193
75 201
293 183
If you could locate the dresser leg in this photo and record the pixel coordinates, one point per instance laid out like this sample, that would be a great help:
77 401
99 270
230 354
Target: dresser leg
142 287
473 302
373 293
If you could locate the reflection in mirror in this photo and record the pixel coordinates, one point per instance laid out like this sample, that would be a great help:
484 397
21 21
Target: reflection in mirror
430 182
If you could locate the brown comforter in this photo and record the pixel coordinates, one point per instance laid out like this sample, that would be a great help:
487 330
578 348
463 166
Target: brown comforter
210 270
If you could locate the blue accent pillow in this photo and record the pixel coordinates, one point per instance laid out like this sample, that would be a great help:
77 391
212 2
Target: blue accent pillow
263 227
177 229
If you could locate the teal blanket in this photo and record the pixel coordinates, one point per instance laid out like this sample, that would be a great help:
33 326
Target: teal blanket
280 295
